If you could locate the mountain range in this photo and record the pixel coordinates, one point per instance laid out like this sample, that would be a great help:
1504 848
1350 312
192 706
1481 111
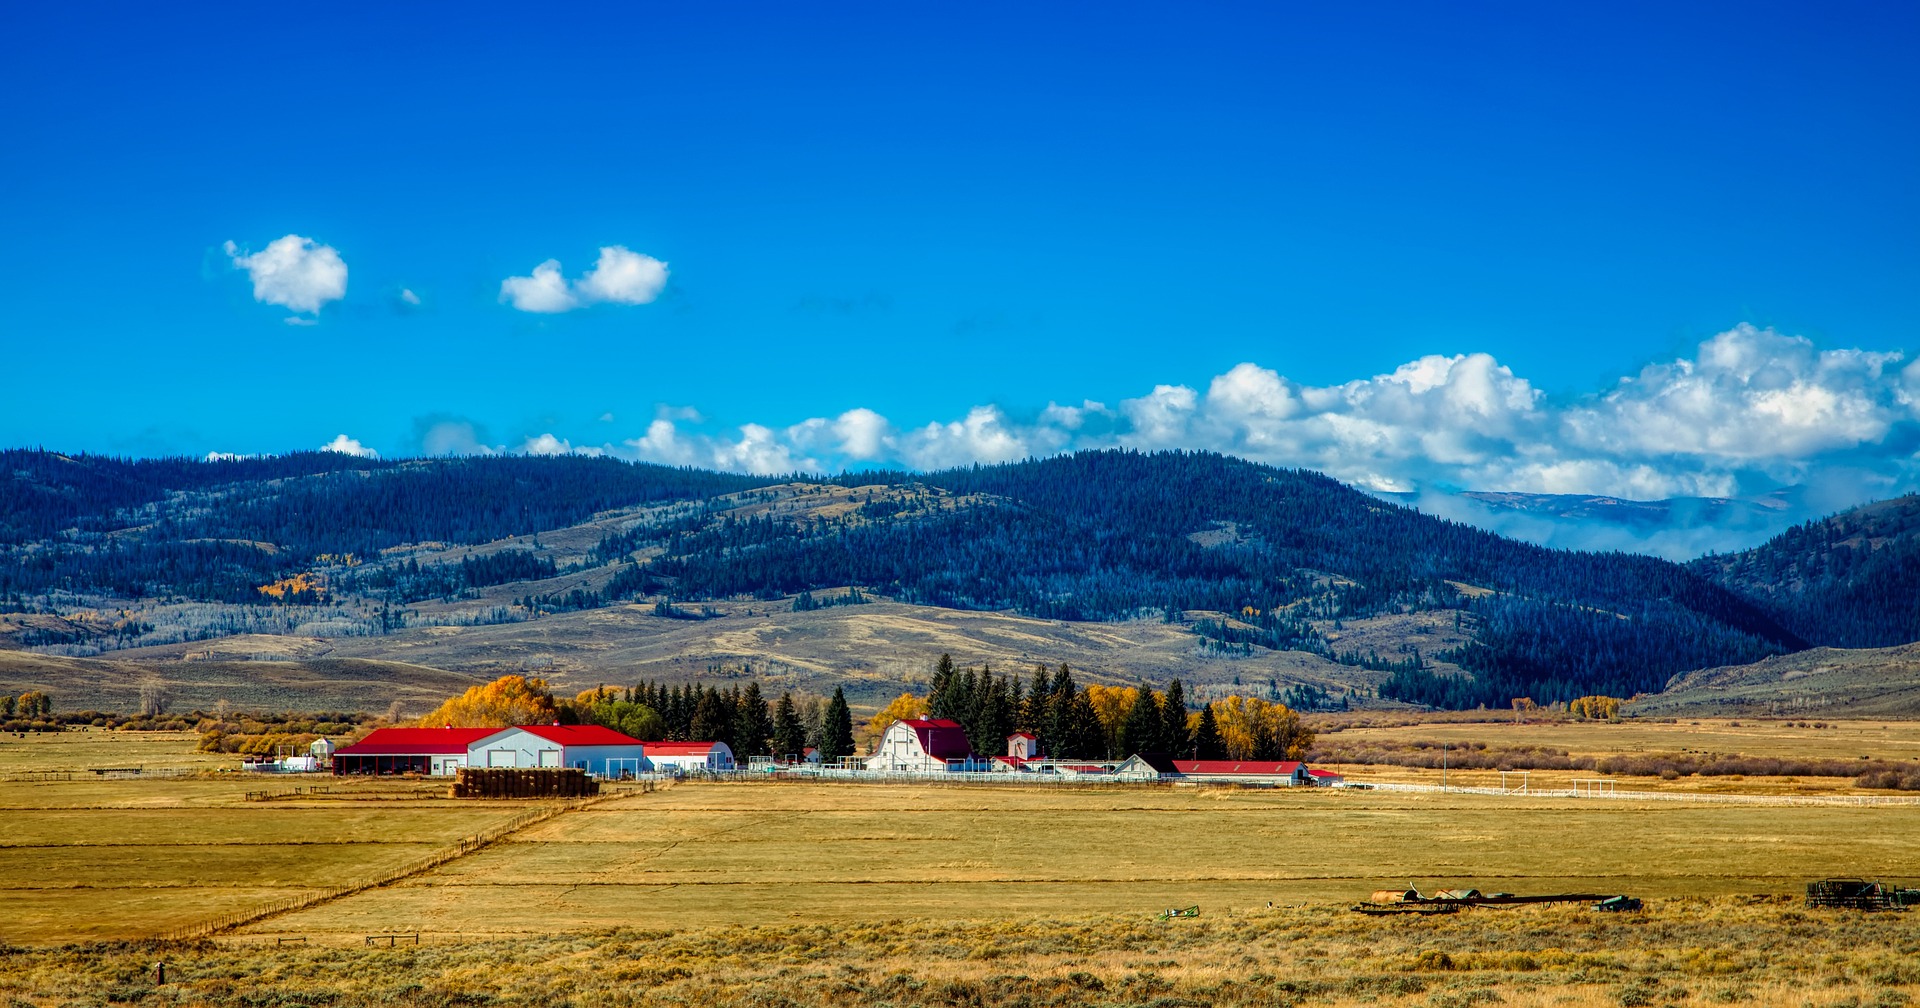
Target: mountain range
1138 566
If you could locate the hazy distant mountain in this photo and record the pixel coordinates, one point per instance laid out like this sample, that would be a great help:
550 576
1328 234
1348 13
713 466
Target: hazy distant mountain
1677 528
1849 580
1673 512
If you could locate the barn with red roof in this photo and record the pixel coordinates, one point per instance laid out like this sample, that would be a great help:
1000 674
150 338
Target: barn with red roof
433 751
925 745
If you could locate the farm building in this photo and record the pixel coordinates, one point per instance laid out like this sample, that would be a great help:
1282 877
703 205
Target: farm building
1285 772
925 745
435 751
1146 767
1023 745
1323 778
682 757
592 748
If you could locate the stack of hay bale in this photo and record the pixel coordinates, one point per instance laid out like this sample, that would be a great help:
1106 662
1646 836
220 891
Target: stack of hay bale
494 782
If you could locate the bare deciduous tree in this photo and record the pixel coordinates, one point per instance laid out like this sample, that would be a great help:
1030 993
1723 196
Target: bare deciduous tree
154 697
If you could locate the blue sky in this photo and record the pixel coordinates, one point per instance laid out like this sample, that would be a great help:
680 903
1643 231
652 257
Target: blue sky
1419 246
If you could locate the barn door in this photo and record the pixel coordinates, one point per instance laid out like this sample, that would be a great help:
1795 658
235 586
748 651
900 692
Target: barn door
550 757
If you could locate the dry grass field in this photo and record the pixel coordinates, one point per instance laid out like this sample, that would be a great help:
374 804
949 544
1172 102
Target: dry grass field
1682 951
89 857
92 749
843 894
1891 740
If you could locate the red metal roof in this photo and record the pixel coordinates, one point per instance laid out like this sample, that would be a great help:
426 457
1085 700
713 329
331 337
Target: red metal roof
1244 768
416 742
1021 734
940 738
1321 773
679 748
580 735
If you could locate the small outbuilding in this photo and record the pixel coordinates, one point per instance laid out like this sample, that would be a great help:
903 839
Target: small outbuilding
1286 773
1146 767
437 752
687 757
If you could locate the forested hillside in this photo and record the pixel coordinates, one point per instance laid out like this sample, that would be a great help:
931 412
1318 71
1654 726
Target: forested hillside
1116 535
216 530
1281 557
1850 580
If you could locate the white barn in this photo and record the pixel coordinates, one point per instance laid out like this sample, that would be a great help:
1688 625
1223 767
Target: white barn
600 751
685 757
924 745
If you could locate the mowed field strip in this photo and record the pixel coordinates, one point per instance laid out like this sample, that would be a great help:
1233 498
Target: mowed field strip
701 854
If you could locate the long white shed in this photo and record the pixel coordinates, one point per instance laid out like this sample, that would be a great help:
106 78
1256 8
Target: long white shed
597 750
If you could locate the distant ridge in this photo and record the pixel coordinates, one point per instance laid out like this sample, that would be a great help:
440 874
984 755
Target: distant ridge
1286 559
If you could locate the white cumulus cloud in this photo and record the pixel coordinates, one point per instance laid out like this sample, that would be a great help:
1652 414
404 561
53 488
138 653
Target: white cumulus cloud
619 276
545 291
1749 411
759 450
294 272
349 446
548 444
622 276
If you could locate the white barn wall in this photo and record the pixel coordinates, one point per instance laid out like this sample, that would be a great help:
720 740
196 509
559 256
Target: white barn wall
519 748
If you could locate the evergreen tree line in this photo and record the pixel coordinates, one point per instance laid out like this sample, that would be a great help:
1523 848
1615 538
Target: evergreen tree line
744 719
1063 716
413 581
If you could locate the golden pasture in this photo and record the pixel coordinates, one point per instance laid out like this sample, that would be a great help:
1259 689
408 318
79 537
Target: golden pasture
759 853
853 894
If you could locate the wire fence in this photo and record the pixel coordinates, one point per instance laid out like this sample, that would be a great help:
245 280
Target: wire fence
938 777
98 773
299 792
466 845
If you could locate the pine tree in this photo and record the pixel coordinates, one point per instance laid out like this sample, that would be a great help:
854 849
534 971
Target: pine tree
1175 739
789 732
1142 729
942 680
1206 737
1085 737
752 724
1057 727
993 715
839 727
1033 709
710 722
